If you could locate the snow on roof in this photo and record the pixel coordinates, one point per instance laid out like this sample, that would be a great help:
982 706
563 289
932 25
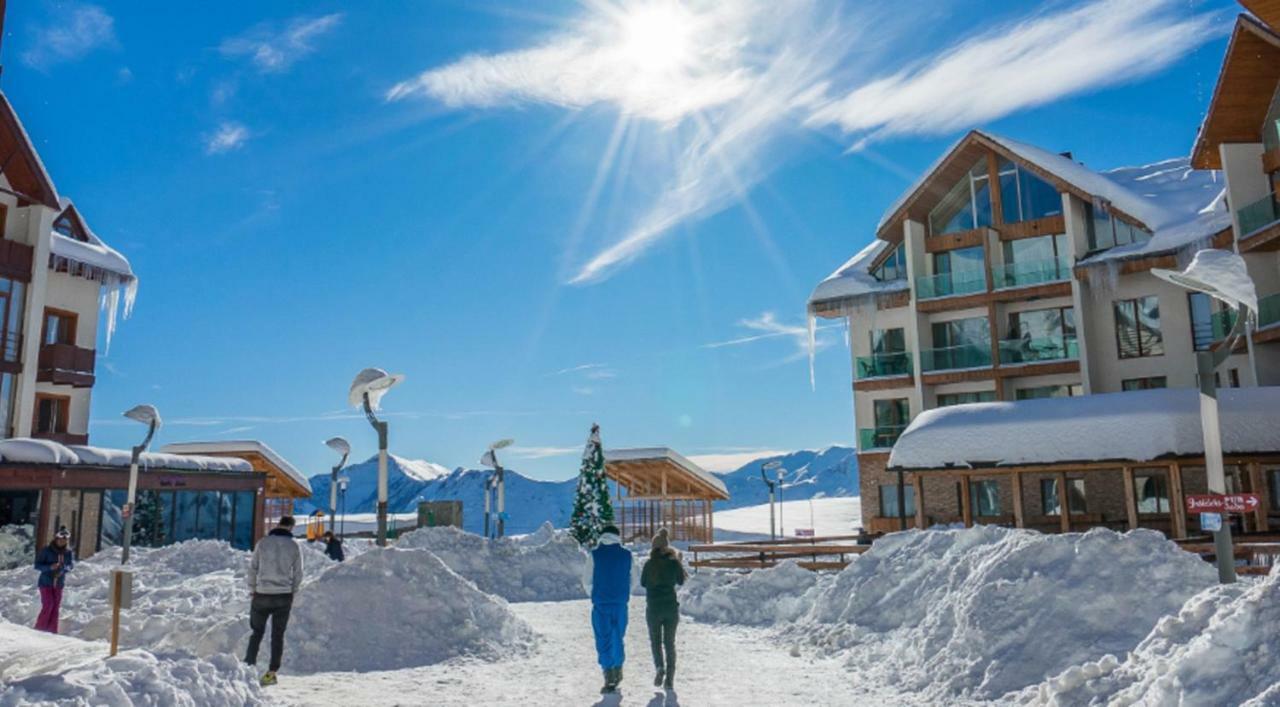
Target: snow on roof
24 450
657 453
247 446
1133 426
854 277
95 253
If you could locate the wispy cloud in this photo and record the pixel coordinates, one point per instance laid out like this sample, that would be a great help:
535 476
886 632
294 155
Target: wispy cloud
273 48
75 30
229 136
519 452
585 368
725 81
767 326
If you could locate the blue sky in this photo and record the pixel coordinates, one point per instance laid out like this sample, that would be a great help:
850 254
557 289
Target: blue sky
544 214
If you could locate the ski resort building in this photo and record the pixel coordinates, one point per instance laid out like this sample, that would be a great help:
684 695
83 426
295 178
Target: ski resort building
658 488
1012 273
285 484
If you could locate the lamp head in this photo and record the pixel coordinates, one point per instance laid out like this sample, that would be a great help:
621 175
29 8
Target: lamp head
339 445
375 382
502 444
1220 274
146 414
771 465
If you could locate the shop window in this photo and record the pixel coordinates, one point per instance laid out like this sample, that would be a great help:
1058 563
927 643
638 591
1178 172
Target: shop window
1051 502
889 500
984 497
1153 493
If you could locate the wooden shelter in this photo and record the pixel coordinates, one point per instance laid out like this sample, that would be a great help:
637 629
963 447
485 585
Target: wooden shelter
658 488
285 483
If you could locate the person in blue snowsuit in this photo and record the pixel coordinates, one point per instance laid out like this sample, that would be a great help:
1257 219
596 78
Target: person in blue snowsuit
608 581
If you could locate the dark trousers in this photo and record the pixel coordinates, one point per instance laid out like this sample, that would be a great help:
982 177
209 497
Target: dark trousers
662 622
268 606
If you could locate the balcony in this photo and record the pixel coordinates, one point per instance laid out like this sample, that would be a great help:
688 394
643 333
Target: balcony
66 364
950 358
1269 310
883 365
951 284
1258 215
882 437
1015 351
1035 272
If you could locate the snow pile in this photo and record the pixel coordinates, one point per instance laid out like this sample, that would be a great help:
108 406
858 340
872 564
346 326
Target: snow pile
43 669
780 594
978 613
17 546
1221 649
544 566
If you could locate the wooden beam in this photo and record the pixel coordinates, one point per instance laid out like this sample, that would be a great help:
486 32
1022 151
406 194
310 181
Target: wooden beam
1130 498
1064 503
1258 486
966 504
917 482
1019 519
1177 504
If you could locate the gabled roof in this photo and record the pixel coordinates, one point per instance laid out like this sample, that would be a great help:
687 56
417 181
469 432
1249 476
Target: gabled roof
246 449
854 278
19 161
660 456
87 249
1246 83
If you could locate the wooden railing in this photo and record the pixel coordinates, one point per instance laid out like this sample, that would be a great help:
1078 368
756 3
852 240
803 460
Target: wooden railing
825 553
66 364
1257 553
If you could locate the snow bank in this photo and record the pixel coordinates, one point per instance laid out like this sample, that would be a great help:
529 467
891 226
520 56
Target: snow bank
42 669
17 546
981 612
543 566
1221 649
780 594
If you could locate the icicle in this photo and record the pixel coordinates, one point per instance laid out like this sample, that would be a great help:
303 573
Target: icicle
130 296
813 349
110 303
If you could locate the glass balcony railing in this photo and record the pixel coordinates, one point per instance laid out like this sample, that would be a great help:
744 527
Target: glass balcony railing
1258 215
880 365
949 358
1014 351
1034 272
948 284
1222 321
881 437
1269 310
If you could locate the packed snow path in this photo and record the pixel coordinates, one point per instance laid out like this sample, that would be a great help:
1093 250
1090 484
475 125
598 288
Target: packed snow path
718 665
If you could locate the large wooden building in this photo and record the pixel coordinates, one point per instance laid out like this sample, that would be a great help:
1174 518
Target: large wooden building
658 488
285 484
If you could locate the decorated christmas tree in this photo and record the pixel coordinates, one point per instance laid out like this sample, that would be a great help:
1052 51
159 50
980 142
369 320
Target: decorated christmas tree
591 507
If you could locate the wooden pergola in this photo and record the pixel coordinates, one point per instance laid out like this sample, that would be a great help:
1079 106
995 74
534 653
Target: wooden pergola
657 488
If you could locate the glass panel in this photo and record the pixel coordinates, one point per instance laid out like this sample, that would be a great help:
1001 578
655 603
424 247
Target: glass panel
961 343
1153 493
888 355
1150 338
1079 504
243 536
112 521
207 507
958 211
1040 335
981 197
226 502
889 500
19 513
1039 199
888 341
186 509
1271 125
1138 327
1048 391
1258 215
1049 504
153 519
1149 383
949 399
985 497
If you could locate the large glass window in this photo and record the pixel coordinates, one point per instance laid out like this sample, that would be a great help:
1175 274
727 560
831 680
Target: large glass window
889 355
1271 126
966 206
186 525
961 343
984 497
1153 493
949 399
888 341
891 418
1050 391
52 412
243 536
1024 196
59 327
889 501
1148 383
19 514
1040 335
12 301
1051 501
1106 231
1138 327
893 268
960 271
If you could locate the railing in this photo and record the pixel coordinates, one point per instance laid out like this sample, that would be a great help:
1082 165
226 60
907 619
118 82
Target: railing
949 284
1035 272
976 355
66 364
1269 310
1258 215
882 437
897 363
1035 350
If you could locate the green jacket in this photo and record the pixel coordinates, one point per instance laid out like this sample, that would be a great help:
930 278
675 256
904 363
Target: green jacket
661 574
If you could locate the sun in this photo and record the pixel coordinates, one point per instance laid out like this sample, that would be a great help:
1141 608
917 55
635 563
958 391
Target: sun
656 37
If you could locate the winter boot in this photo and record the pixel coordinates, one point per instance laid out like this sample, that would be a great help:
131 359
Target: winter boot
609 684
657 681
617 677
670 682
268 679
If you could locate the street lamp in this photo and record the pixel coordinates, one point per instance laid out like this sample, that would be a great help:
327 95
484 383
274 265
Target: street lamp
769 466
490 459
1224 276
367 391
343 482
341 446
149 416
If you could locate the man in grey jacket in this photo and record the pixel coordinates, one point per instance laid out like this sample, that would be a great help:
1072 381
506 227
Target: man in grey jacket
275 574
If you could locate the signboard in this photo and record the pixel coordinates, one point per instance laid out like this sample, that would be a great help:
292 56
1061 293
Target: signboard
1211 522
804 532
1230 503
126 510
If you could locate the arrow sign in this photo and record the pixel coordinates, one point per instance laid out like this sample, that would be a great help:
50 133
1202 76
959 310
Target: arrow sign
1230 503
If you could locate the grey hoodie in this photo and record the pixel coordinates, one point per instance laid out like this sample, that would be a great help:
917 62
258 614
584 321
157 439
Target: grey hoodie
276 567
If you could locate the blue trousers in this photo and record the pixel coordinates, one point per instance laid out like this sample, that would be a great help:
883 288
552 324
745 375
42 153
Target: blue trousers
609 622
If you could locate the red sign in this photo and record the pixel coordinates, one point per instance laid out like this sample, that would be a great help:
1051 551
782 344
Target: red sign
1231 503
126 510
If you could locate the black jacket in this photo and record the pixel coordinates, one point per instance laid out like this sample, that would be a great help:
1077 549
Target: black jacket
661 574
333 548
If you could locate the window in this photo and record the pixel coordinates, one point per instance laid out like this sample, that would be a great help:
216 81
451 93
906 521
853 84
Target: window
1024 196
1233 377
1050 391
889 355
889 501
1107 232
1153 493
1040 335
888 341
12 302
51 414
960 271
984 498
1050 503
967 206
1148 383
1271 125
961 343
891 418
67 226
59 327
949 399
1138 327
1031 261
893 268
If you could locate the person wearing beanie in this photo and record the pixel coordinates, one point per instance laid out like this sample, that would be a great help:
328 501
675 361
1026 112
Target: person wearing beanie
661 574
607 579
53 563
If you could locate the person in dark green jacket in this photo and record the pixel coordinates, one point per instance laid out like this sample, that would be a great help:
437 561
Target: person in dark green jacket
661 574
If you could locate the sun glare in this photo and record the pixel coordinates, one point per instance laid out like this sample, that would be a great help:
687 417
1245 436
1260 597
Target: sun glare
656 37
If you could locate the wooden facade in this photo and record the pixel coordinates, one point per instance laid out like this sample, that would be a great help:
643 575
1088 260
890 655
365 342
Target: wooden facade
658 488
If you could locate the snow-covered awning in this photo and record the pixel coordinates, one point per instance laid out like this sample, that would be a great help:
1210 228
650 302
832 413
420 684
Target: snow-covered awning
1135 426
84 254
24 450
240 447
664 455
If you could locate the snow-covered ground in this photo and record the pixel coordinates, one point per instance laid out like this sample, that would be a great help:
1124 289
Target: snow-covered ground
826 516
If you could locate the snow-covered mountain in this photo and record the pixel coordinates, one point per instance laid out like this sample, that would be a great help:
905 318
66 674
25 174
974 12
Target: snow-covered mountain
530 502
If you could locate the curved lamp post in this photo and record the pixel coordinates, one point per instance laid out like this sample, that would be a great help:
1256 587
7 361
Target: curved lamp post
366 392
1223 276
499 479
341 446
343 482
149 416
773 486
